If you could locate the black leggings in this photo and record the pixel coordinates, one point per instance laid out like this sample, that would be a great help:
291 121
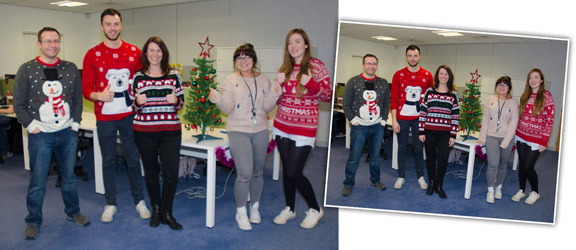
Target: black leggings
293 161
526 163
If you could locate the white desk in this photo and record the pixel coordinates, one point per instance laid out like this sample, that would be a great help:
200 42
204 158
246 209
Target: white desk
468 146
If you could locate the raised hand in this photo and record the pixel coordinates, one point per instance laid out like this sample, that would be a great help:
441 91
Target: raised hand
106 95
171 98
213 95
280 76
306 78
140 98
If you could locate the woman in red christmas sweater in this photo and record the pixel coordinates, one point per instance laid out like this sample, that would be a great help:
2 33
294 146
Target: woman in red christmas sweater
305 83
533 131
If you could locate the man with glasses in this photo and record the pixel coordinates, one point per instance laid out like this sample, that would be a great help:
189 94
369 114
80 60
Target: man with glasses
48 103
108 68
366 103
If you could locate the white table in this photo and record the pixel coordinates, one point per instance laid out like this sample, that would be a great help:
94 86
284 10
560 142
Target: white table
468 146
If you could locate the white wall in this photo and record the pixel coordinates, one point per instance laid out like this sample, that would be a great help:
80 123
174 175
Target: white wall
491 60
228 23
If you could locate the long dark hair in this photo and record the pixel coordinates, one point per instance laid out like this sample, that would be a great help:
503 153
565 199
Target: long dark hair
164 64
539 102
450 82
288 62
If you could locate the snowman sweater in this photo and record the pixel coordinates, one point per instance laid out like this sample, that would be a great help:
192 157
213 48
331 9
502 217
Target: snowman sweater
50 105
536 128
157 117
299 116
439 112
367 107
105 66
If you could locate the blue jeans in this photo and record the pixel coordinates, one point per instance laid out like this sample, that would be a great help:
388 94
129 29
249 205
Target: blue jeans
107 134
41 147
358 137
405 127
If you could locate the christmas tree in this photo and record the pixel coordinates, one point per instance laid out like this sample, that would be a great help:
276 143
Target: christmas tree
200 112
471 107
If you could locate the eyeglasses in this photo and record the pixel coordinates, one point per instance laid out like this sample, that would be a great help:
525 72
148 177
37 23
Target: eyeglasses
502 84
51 42
371 64
245 58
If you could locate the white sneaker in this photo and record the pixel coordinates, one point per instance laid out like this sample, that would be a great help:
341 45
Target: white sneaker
498 192
242 219
490 195
254 213
143 210
284 216
422 183
108 214
518 195
399 182
312 218
533 197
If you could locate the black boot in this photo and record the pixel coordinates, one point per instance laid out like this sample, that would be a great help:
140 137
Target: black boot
430 189
155 219
166 218
440 191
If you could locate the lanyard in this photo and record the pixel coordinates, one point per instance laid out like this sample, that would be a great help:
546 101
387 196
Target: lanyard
252 99
500 108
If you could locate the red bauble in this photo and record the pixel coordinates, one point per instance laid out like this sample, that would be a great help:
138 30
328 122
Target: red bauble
194 69
202 100
219 120
213 116
207 77
469 111
473 97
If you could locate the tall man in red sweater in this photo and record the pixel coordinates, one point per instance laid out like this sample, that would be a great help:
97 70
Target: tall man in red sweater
408 86
108 68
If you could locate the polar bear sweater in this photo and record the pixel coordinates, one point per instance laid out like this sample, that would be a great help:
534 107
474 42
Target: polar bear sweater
50 103
439 112
299 116
536 128
158 115
365 106
104 66
406 92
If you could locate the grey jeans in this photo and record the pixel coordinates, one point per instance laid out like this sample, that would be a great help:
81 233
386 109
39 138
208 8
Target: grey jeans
249 153
497 161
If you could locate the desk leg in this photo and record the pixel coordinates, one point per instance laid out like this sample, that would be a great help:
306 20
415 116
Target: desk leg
515 163
210 188
395 151
276 168
469 172
98 176
25 148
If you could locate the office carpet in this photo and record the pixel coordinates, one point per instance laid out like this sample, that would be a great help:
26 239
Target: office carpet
412 199
128 231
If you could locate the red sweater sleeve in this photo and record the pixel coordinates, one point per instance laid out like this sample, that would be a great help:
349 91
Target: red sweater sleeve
395 92
88 75
319 85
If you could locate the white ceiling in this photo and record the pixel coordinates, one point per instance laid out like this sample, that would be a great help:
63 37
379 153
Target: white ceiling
424 36
95 6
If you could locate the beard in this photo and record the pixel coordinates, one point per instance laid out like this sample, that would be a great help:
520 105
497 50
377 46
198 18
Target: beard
112 39
413 65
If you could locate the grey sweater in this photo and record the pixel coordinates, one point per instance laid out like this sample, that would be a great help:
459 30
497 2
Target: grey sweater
48 96
367 107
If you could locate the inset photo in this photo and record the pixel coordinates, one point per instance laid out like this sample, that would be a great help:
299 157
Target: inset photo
447 122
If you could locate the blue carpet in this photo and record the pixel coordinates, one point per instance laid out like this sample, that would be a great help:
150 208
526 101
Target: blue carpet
128 231
414 200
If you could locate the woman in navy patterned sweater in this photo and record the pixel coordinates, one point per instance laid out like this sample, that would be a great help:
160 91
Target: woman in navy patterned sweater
439 114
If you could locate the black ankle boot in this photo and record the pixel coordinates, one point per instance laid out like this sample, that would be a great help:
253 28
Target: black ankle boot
155 219
430 189
440 191
166 218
